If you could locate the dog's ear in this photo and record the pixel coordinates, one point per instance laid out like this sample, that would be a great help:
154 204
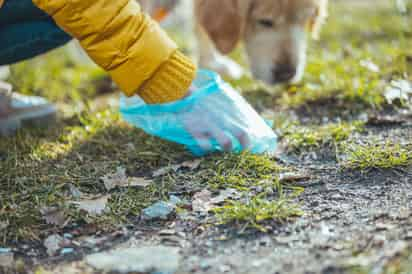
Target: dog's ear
317 22
223 21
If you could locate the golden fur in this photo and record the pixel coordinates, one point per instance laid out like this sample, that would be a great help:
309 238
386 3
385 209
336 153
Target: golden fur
274 33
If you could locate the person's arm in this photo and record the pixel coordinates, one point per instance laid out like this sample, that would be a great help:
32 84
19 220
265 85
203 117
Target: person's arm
127 43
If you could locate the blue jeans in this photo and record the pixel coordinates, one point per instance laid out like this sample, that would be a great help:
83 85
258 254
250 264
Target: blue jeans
26 31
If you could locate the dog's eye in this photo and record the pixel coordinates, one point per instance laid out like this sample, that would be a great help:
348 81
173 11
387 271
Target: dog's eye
267 23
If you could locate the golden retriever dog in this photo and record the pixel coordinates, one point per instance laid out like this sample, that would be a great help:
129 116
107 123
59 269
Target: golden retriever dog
274 33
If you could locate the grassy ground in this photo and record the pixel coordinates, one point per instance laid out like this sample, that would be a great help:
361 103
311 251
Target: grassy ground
326 120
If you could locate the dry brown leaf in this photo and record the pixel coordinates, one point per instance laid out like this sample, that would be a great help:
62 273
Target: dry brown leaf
96 206
114 179
139 182
290 177
192 165
165 170
54 216
201 201
204 202
120 179
224 195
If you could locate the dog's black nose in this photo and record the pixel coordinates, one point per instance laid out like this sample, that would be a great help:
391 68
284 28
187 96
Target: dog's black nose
284 73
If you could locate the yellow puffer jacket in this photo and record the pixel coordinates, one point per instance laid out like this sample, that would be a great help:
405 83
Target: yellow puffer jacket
128 44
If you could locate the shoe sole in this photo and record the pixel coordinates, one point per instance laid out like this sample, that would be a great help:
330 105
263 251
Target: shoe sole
41 118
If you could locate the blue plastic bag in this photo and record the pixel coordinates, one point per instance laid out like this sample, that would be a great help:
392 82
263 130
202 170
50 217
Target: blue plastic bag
213 118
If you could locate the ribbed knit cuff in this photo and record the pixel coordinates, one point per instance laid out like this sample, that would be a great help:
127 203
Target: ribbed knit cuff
170 82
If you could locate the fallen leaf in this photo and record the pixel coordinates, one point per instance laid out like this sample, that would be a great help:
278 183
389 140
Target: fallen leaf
97 206
204 202
165 170
289 177
201 201
224 195
398 90
53 243
130 146
192 165
139 182
54 216
120 179
114 179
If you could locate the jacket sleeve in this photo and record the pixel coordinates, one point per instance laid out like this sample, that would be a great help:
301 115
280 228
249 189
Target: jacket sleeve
128 44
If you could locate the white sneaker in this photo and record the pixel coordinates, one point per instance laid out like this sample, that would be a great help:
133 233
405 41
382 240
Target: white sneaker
17 110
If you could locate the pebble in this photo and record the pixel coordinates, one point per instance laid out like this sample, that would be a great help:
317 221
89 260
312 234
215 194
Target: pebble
67 236
67 250
160 210
174 200
5 250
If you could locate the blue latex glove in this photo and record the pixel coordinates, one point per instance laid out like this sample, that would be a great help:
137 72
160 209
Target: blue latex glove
214 117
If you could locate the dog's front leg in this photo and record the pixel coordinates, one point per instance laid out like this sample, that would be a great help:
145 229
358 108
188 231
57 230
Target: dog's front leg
401 6
210 58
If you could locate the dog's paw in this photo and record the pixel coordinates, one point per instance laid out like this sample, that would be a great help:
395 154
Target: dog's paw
225 67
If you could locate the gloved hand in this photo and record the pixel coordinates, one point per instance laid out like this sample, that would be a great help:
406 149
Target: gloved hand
214 117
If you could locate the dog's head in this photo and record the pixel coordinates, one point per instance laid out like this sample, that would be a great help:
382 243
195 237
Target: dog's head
274 32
